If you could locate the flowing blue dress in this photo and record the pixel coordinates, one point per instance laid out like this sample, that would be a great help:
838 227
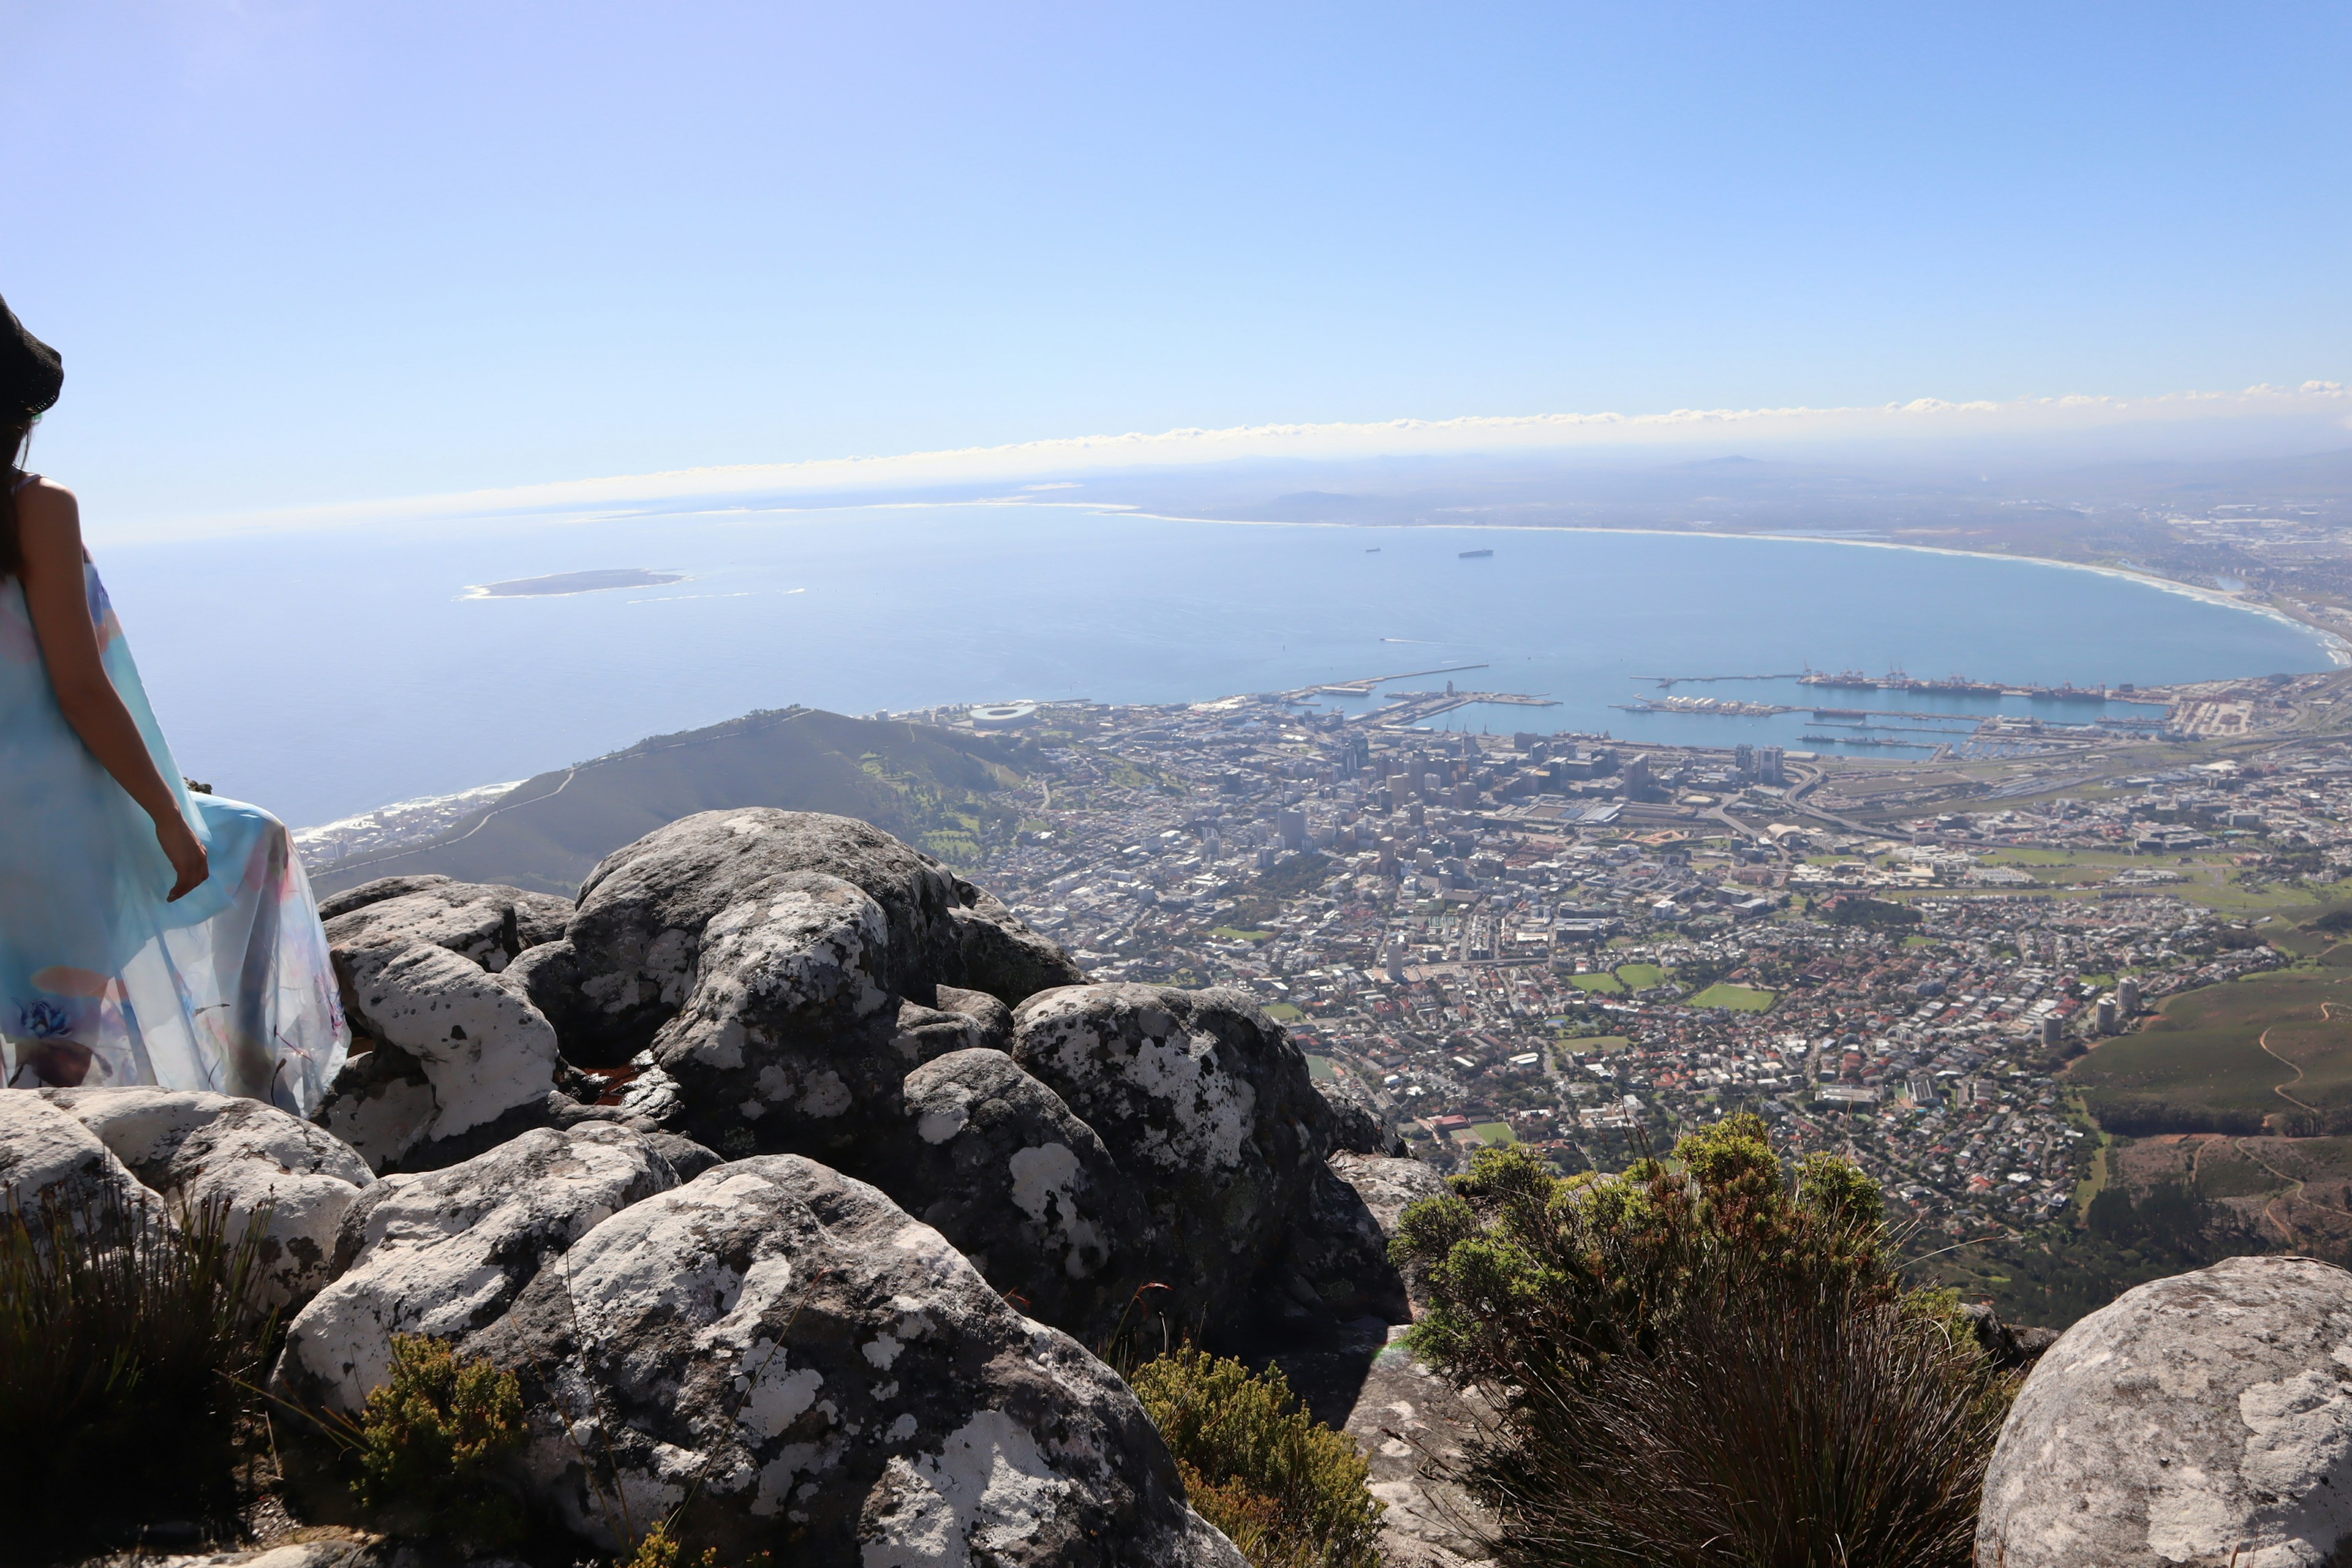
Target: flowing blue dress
102 983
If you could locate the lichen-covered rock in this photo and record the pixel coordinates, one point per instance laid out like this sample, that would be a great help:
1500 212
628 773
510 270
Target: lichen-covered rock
254 1160
785 1359
1414 1428
998 953
490 925
1207 1105
998 1165
2203 1419
51 1163
924 1033
1338 1263
482 1049
1389 1184
445 1253
1357 1124
636 940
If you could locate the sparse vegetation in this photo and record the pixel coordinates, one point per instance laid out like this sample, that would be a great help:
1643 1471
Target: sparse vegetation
1289 1492
130 1349
432 1440
1702 1365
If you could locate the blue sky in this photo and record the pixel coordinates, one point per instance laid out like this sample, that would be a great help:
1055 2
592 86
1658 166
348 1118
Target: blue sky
300 254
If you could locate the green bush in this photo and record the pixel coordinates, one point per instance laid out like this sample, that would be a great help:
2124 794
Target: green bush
1708 1366
432 1442
1289 1490
129 1352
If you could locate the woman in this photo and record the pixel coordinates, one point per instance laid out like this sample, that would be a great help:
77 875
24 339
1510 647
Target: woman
148 935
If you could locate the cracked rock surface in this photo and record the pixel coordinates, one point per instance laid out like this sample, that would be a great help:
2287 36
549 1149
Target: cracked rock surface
253 1159
2202 1419
445 1253
784 1355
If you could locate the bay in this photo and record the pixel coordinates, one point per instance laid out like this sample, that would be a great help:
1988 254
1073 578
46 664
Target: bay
324 673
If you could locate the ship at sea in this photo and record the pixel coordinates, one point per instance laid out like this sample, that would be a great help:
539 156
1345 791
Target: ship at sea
1476 554
1849 679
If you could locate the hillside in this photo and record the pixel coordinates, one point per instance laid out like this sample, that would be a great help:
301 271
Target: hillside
927 786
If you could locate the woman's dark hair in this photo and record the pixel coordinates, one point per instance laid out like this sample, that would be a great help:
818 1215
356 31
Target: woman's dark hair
15 436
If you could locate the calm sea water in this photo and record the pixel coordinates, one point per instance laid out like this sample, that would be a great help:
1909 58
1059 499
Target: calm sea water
324 673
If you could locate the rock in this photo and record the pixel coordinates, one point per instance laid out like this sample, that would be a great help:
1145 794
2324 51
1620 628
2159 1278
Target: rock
445 1253
999 954
1357 1125
2206 1418
2011 1348
490 925
1413 1425
482 1049
1338 1259
251 1158
687 1157
51 1163
1023 1189
784 1357
1206 1106
636 941
1389 1186
989 1016
924 1033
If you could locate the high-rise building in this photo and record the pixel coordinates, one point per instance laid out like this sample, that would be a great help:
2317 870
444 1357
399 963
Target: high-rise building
2128 995
2054 1029
1743 759
1290 824
1769 768
2107 1015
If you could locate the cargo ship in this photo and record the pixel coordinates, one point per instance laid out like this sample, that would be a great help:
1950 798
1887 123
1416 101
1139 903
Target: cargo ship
1476 554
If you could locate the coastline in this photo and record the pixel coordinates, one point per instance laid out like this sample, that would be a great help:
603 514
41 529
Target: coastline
2336 644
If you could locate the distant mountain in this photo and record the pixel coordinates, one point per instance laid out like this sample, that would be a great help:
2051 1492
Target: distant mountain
927 786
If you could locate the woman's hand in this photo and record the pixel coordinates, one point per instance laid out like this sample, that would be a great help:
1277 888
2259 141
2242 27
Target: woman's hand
189 864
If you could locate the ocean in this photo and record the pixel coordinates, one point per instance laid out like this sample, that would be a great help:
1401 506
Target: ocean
326 672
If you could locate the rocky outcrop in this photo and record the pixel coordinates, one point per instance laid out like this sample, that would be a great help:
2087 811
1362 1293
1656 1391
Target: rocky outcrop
489 925
1208 1109
998 953
1357 1125
636 947
446 1253
784 1357
2205 1418
994 1162
254 1160
443 1043
50 1164
1415 1430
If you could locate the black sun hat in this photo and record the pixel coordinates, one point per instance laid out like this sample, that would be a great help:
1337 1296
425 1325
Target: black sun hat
31 374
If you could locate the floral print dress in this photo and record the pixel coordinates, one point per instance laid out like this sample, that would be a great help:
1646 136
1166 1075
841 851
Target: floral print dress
102 983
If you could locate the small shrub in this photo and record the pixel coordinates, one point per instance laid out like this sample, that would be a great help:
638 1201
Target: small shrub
432 1440
128 1355
1711 1367
1289 1490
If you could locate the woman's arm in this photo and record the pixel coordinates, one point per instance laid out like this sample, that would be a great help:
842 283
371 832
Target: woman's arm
48 536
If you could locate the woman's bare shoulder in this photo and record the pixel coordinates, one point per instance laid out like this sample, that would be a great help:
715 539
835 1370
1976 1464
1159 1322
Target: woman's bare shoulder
48 518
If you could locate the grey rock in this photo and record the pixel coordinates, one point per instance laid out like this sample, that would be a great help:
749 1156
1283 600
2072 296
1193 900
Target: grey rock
1389 1184
990 1015
1337 1261
1414 1428
636 938
785 1358
51 1163
1357 1125
482 1049
490 925
2202 1419
924 1033
1206 1105
687 1157
998 953
1023 1189
446 1253
259 1163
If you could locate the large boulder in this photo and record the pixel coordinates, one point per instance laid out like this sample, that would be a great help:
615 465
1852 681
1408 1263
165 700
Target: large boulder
998 953
51 1166
490 925
632 954
995 1163
1207 1106
445 1253
257 1162
784 1361
2206 1418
